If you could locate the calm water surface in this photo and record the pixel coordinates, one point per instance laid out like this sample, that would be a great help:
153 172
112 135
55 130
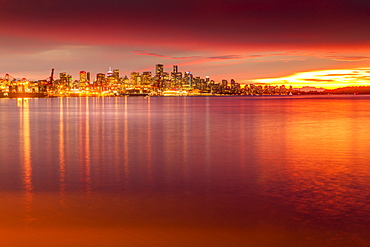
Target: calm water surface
185 171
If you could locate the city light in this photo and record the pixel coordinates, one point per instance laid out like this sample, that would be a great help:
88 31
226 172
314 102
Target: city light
177 83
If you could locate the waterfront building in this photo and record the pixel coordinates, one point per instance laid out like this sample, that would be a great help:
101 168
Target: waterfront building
83 77
100 79
224 83
116 74
125 80
110 72
63 78
135 78
146 78
159 70
88 77
187 80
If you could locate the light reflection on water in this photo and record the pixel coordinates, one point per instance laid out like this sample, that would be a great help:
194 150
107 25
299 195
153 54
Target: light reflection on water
216 171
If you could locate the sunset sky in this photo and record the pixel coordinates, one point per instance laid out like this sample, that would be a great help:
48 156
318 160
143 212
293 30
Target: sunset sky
247 40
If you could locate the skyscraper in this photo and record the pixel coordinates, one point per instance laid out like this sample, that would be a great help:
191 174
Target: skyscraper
146 77
159 70
88 77
135 78
63 78
100 78
83 77
188 78
116 74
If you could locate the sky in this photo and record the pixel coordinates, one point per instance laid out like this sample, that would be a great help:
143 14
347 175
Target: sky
302 43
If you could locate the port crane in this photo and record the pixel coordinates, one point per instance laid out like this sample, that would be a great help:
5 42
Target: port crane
51 78
8 78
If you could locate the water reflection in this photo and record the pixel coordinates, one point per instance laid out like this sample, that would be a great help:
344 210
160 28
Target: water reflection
220 169
320 161
149 141
85 143
26 151
62 159
126 157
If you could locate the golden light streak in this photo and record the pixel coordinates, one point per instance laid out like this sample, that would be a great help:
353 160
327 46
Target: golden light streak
125 143
185 141
116 140
87 150
62 161
149 143
26 147
328 79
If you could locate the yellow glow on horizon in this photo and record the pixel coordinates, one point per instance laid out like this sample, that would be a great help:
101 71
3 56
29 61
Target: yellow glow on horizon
328 79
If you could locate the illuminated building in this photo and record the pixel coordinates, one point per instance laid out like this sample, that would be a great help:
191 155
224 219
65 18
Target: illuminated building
126 80
83 77
135 78
100 78
176 77
166 76
187 80
88 77
116 74
110 72
166 83
232 82
146 77
70 80
63 78
159 70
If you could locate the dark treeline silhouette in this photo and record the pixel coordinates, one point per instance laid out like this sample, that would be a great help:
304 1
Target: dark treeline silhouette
349 90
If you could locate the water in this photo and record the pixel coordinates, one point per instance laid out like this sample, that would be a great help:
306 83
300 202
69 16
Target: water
185 171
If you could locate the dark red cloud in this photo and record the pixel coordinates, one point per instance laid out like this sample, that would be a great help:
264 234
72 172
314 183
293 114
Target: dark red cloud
221 57
348 58
201 24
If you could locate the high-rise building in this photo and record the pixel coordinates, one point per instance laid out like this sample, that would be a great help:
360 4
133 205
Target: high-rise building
100 78
175 76
146 77
63 78
166 76
232 83
159 70
88 77
126 80
187 80
69 80
116 74
83 77
224 83
135 78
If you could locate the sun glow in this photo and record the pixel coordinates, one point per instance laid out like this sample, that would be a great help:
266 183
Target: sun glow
328 79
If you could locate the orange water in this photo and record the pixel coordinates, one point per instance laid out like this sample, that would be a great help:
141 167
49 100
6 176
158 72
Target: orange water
185 171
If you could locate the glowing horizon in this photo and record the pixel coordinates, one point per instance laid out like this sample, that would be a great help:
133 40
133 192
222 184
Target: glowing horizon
328 79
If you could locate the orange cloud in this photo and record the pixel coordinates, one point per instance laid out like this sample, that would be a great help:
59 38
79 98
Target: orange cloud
324 78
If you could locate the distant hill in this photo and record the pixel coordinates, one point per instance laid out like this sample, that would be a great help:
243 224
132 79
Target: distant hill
349 90
310 89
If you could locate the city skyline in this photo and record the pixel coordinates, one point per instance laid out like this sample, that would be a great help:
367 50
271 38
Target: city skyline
244 40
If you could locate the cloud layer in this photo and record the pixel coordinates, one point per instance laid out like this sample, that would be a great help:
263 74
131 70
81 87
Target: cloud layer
242 39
